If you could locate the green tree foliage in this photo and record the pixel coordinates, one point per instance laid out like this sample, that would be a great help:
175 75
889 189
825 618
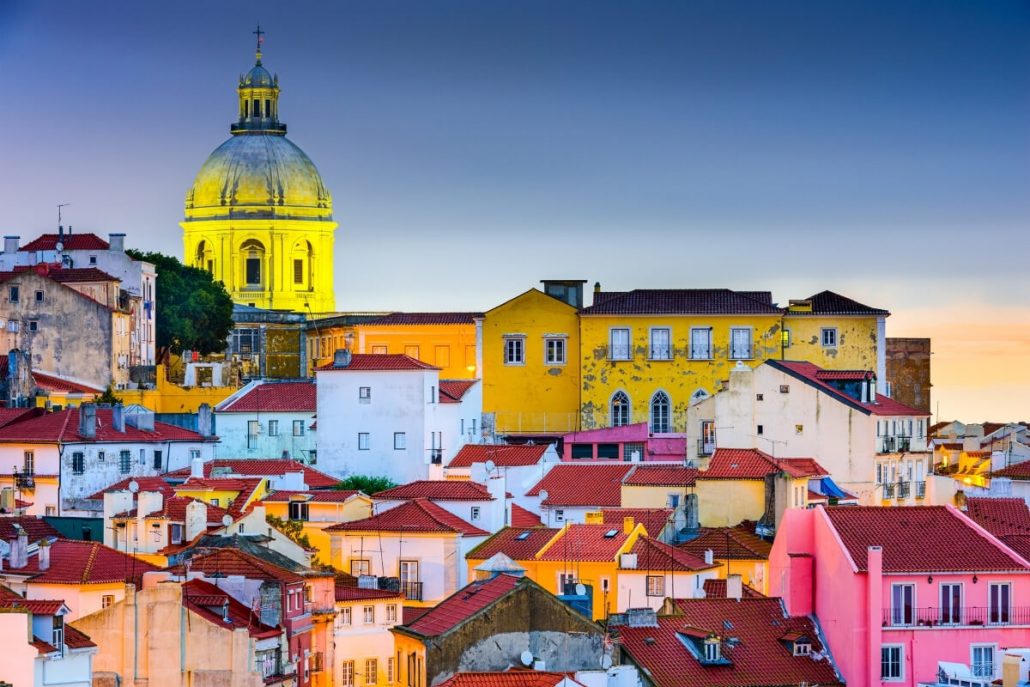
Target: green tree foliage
108 396
194 312
367 484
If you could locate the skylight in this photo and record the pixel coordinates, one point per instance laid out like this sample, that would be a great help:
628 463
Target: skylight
610 533
522 536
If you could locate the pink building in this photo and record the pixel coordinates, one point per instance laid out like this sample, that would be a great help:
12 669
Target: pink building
629 443
902 593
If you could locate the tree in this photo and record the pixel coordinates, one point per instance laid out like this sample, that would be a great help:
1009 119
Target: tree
367 484
107 397
194 312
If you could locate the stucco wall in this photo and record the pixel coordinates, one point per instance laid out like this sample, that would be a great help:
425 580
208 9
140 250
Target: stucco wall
234 440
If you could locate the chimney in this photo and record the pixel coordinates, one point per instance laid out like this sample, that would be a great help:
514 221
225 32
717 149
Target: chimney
44 555
692 515
341 358
204 421
709 557
88 421
11 244
196 519
118 417
734 587
197 467
628 523
597 287
115 241
19 548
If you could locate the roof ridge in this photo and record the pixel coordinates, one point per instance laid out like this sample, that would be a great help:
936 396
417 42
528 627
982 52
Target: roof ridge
90 560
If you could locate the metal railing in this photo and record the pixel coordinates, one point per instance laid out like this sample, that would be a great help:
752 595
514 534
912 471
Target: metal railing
742 352
888 491
920 490
412 590
25 480
964 616
904 489
705 448
436 456
895 444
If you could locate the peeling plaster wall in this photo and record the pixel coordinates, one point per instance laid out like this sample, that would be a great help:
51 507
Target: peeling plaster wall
857 348
908 371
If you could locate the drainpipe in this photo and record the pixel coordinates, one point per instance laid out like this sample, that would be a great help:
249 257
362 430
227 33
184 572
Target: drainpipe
874 595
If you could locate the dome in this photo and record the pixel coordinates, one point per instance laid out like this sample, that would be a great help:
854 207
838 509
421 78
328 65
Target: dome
260 175
258 77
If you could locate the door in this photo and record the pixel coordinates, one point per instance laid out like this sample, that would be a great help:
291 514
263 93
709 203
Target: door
903 604
951 604
411 586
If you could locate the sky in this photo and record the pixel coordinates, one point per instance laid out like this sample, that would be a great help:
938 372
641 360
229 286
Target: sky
877 149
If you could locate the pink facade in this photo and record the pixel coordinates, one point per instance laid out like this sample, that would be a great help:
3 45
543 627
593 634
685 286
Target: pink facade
627 443
911 620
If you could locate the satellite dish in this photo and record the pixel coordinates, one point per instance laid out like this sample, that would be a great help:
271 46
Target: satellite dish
133 486
490 466
581 589
227 520
59 246
606 661
527 658
543 494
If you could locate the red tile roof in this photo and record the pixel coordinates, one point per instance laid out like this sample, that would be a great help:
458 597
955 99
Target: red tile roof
174 509
1015 471
758 658
728 543
364 362
80 562
654 520
1020 543
263 467
347 589
918 539
717 589
503 455
43 647
63 427
418 515
68 275
77 639
423 318
511 678
146 483
270 397
85 241
684 302
517 543
452 390
653 555
54 383
436 490
229 561
330 496
661 476
830 303
751 463
11 415
11 600
208 601
462 605
588 484
1000 516
36 527
585 543
809 373
521 517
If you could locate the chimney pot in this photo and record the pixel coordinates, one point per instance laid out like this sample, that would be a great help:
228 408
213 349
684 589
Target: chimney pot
709 556
597 287
118 417
115 241
341 358
88 420
628 524
44 555
11 244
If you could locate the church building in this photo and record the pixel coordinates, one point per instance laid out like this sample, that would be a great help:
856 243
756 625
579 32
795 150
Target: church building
258 216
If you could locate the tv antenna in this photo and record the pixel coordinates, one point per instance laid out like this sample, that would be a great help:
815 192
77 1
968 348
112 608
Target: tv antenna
59 206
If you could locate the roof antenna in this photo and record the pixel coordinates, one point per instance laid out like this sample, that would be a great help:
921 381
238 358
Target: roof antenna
60 229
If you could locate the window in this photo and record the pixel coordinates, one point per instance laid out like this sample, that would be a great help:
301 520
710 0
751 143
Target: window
891 667
298 271
347 674
273 428
362 441
253 271
554 351
700 343
656 585
618 344
368 615
33 326
12 294
13 326
214 502
620 409
411 352
379 350
660 413
785 338
1000 600
92 259
475 513
345 616
559 515
39 296
194 454
389 669
433 396
514 350
143 456
802 648
661 343
78 463
125 461
951 603
100 456
106 600
298 510
371 671
982 660
829 337
903 604
391 613
298 428
360 566
364 394
712 652
759 397
799 429
399 441
759 430
740 343
58 634
175 533
158 459
50 511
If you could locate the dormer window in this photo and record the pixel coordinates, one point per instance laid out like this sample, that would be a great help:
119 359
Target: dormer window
712 650
802 647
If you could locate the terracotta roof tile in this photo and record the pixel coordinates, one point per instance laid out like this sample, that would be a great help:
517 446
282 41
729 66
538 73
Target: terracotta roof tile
1016 471
43 647
230 561
654 520
436 490
684 302
947 542
517 543
36 527
145 482
11 415
717 589
348 590
503 455
80 562
263 467
1000 516
830 303
330 496
269 397
77 639
63 427
208 601
418 515
751 463
588 484
462 605
759 657
364 362
423 318
85 241
728 543
521 517
809 373
510 678
54 383
174 509
12 601
655 555
453 390
661 476
586 543
68 275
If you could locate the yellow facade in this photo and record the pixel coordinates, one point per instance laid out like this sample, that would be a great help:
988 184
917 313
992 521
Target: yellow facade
222 496
410 660
169 397
753 572
451 347
727 502
322 515
258 216
532 396
637 496
856 347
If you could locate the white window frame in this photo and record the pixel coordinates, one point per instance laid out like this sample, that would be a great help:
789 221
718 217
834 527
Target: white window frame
371 671
955 613
898 613
654 585
298 428
990 605
368 615
400 441
627 409
346 616
662 353
653 424
363 441
364 394
559 515
273 428
900 662
360 566
993 648
615 351
555 350
391 613
514 350
834 335
475 513
749 354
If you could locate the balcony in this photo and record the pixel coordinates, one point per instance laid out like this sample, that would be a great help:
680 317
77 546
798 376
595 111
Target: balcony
25 480
888 491
436 456
895 444
920 490
412 590
904 489
705 447
967 616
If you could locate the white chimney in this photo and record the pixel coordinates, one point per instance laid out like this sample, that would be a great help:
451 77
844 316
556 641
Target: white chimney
118 417
11 244
88 421
196 519
197 467
116 242
734 587
149 502
709 556
44 554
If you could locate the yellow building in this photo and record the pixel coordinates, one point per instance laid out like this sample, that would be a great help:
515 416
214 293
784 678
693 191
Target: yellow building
317 510
234 494
531 361
836 333
736 551
258 216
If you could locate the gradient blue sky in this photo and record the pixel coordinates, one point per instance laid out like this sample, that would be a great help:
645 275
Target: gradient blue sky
880 149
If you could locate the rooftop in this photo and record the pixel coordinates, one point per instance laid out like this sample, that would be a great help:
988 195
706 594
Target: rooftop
423 318
661 476
417 515
586 484
751 463
503 455
330 496
263 467
145 483
510 678
365 362
462 605
684 302
86 241
830 303
208 601
173 508
268 397
35 527
517 543
232 561
1018 471
809 374
717 589
347 589
585 543
521 517
1000 516
728 543
80 562
453 390
63 427
655 555
654 520
436 490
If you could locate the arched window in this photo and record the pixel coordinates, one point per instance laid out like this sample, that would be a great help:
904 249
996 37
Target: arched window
620 409
660 413
204 258
253 260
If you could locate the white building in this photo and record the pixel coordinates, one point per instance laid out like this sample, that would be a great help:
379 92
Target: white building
482 505
391 415
870 444
138 279
268 419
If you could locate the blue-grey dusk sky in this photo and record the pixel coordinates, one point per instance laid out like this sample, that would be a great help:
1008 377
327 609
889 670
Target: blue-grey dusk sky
879 149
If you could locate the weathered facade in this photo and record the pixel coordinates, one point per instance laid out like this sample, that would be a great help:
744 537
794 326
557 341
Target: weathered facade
908 371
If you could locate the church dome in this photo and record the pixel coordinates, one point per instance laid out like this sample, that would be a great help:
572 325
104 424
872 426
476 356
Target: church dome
258 77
